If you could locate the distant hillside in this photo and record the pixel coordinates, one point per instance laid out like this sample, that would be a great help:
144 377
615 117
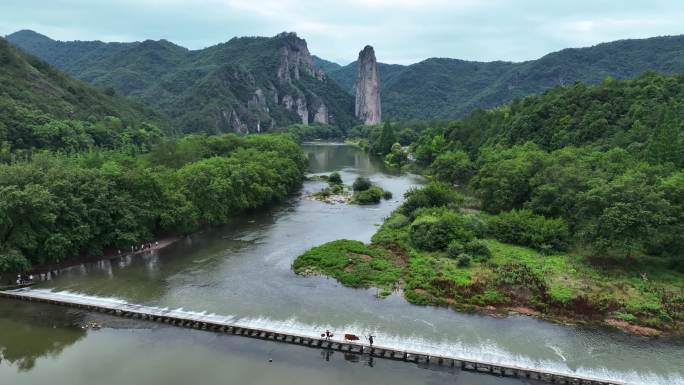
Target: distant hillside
346 76
449 88
247 84
325 65
40 107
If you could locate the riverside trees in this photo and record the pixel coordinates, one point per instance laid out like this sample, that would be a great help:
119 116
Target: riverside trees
57 206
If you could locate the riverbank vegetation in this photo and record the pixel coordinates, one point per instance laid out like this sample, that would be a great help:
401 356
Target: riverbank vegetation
58 206
314 131
568 205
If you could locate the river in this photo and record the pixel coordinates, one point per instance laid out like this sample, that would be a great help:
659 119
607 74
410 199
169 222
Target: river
243 270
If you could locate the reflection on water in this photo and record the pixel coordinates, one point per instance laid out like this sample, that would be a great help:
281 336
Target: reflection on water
28 332
327 158
161 355
243 270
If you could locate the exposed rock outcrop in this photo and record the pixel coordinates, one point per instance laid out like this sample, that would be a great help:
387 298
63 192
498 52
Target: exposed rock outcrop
302 110
321 114
288 102
235 123
258 100
294 59
368 88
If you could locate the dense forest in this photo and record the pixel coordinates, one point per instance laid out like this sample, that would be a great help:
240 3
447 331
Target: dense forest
569 203
41 108
57 206
443 88
247 84
83 172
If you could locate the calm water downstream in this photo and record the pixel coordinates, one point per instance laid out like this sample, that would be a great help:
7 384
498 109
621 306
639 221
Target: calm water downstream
243 269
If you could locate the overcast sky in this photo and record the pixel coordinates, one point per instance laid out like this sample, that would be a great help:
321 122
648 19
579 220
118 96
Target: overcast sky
402 31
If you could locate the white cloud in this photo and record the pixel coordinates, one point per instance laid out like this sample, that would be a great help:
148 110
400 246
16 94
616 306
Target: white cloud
403 31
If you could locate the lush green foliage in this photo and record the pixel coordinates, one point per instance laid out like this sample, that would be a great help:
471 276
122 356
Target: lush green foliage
596 170
386 140
435 229
433 195
369 196
351 262
315 131
440 88
362 184
335 178
615 189
397 157
370 137
234 86
452 167
478 273
642 116
523 227
55 207
41 108
454 249
478 248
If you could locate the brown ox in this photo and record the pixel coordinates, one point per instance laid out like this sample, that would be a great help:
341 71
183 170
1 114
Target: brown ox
351 337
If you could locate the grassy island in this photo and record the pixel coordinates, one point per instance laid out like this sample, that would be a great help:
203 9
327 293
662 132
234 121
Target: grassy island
439 252
362 192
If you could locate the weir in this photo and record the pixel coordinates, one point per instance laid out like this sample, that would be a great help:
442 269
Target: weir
220 324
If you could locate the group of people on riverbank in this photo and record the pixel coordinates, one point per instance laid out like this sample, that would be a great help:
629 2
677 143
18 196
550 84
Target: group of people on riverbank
24 279
142 247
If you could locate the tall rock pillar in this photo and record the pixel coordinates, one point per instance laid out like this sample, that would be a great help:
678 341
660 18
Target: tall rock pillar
368 88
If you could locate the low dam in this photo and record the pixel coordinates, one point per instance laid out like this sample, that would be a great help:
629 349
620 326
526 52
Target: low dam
219 324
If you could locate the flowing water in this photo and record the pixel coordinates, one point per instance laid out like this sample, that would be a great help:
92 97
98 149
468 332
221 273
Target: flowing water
243 270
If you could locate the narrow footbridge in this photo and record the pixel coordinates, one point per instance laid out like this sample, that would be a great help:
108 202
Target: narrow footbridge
219 324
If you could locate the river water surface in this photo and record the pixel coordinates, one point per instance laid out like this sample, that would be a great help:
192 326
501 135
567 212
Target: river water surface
243 270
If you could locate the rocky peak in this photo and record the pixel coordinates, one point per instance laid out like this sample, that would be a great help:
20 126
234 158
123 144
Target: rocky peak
367 88
295 58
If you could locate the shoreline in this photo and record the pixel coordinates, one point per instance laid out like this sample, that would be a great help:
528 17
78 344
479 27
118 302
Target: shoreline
521 309
608 322
108 255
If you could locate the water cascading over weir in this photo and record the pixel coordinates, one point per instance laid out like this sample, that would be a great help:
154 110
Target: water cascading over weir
230 325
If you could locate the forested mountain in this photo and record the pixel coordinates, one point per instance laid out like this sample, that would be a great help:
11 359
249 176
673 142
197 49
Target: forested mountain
569 202
606 159
248 84
41 108
642 116
325 65
440 88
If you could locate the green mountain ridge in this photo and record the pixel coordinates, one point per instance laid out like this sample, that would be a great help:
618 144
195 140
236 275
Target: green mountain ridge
40 107
247 84
442 88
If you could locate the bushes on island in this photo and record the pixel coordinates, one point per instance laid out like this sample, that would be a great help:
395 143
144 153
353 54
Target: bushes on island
361 184
434 230
369 196
435 194
335 178
523 227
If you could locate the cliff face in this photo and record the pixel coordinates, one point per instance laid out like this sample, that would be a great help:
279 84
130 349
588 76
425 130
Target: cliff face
368 88
295 59
246 85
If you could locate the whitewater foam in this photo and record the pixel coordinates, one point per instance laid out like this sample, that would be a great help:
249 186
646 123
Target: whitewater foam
487 352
